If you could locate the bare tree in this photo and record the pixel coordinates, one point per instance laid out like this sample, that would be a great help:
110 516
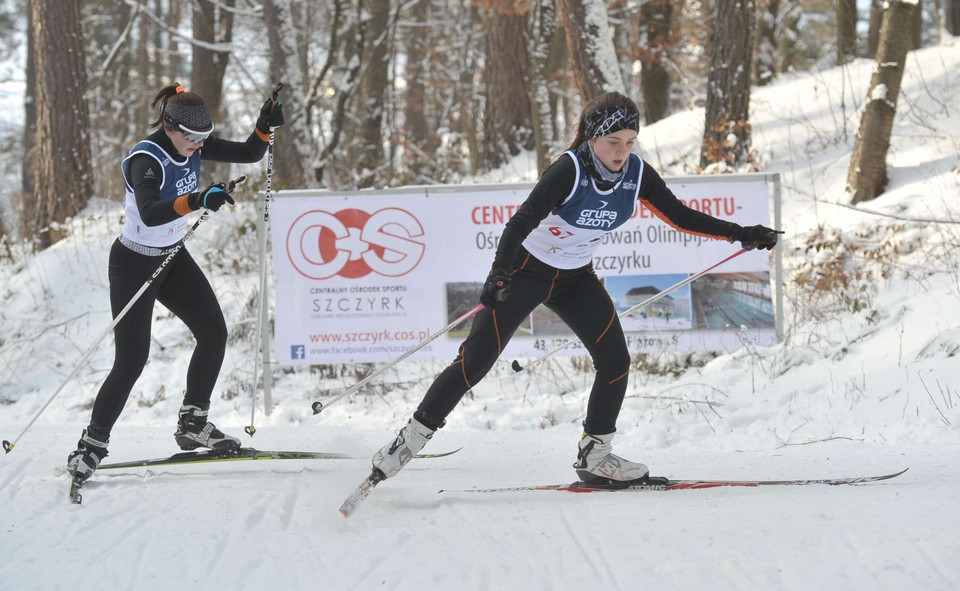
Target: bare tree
212 27
656 23
952 22
867 175
419 139
726 134
846 30
916 28
591 47
765 59
507 124
873 30
788 42
294 141
544 25
62 179
367 151
26 211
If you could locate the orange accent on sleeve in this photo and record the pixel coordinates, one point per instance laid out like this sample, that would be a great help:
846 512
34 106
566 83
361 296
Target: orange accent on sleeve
182 206
663 217
263 136
496 329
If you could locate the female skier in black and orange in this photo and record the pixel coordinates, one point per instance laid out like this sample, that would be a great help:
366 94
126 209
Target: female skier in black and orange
544 257
162 176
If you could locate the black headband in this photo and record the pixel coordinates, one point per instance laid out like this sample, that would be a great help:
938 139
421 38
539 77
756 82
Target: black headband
194 117
611 120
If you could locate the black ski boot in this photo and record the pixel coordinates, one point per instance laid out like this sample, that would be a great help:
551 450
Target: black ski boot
194 430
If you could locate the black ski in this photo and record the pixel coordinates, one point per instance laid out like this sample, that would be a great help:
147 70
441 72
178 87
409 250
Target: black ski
659 483
245 454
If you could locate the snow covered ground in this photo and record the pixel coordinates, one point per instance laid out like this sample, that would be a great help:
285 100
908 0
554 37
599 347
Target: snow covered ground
865 382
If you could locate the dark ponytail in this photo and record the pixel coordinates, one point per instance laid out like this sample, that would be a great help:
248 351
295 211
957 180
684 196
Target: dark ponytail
173 94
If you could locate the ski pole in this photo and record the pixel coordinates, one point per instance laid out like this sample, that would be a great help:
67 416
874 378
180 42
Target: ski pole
8 446
251 429
519 368
318 406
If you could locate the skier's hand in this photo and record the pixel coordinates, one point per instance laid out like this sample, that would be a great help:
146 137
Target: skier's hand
496 288
271 116
213 197
761 237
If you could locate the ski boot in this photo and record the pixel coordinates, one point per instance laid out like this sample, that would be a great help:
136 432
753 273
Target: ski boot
596 464
91 449
398 453
194 430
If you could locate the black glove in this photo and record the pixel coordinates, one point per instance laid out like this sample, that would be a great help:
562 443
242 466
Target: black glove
761 237
271 116
496 288
213 197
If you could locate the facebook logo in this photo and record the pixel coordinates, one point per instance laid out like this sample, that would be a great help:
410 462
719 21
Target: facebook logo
298 352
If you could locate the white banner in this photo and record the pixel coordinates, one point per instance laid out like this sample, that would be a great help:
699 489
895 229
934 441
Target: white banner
363 277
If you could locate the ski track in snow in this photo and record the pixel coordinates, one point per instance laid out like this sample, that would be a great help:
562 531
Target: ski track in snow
276 522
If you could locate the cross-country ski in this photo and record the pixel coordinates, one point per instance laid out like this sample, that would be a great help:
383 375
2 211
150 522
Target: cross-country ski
655 483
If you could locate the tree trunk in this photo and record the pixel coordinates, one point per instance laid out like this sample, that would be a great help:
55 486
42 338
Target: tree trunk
916 29
293 143
368 152
726 135
952 20
62 175
591 47
867 176
656 23
419 137
789 54
765 60
212 24
544 26
507 125
846 30
26 205
173 69
873 32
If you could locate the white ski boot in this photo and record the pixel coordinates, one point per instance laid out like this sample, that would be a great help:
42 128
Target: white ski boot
596 463
193 431
84 461
398 453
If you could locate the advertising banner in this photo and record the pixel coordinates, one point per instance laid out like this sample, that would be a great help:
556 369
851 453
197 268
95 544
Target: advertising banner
365 276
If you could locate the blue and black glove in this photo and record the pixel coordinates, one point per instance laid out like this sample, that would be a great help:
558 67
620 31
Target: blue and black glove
213 197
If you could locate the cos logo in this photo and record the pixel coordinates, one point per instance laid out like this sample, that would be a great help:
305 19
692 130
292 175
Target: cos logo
353 243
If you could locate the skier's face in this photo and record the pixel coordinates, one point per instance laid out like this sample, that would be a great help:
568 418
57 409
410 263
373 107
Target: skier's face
184 146
613 149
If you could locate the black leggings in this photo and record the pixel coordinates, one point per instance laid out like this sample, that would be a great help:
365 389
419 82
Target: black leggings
578 297
182 289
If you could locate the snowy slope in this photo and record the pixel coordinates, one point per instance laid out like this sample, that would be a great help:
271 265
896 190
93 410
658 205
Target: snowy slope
865 382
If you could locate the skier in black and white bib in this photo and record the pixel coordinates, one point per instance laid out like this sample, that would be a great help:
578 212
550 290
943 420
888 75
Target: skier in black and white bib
161 174
544 257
